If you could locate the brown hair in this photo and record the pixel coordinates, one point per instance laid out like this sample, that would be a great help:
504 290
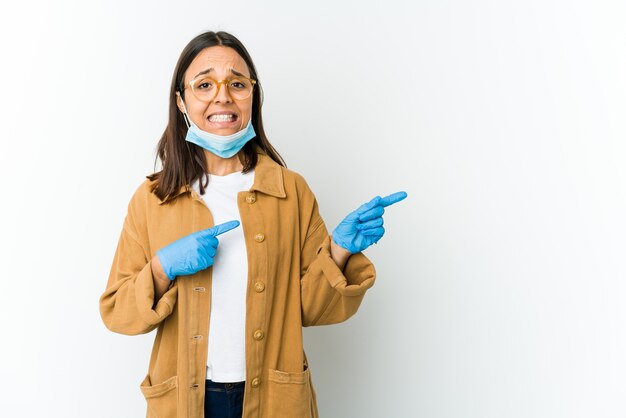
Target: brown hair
184 162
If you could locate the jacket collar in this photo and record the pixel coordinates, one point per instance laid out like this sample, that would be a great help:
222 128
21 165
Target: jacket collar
268 178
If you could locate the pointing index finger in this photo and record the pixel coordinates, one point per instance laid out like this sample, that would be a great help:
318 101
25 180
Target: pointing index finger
392 198
221 228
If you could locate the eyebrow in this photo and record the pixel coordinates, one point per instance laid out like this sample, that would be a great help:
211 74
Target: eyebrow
208 70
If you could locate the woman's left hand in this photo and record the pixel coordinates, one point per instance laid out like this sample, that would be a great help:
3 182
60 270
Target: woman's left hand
364 226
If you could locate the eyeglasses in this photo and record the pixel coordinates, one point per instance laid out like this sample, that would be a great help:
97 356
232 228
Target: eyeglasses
206 88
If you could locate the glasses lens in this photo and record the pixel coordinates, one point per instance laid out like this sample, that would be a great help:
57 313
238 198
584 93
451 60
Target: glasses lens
204 88
239 88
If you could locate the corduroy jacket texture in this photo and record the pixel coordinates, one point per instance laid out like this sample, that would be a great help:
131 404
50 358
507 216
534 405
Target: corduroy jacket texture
292 283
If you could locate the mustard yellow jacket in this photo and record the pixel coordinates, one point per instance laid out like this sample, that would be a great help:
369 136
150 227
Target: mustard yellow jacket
292 283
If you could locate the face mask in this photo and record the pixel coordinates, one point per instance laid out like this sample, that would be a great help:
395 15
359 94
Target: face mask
224 146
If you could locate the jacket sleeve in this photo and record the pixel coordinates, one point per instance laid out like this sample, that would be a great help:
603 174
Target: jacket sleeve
127 304
329 295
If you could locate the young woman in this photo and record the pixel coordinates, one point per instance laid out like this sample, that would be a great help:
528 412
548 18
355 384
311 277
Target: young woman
224 252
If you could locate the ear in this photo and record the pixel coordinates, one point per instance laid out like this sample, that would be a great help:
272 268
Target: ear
179 103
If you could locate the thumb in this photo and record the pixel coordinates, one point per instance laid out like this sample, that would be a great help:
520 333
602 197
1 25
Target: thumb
354 215
367 206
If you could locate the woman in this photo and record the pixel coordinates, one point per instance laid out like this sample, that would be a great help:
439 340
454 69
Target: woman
229 317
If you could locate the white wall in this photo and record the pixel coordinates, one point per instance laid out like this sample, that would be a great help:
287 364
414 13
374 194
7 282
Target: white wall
500 278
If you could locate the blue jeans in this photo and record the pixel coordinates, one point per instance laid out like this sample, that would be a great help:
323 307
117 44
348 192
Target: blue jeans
223 400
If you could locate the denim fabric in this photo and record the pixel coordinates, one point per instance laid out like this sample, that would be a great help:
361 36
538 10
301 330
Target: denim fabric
223 400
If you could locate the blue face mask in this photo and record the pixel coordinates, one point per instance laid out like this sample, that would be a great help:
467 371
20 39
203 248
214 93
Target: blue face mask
224 146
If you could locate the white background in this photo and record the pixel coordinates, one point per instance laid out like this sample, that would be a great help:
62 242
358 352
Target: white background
500 289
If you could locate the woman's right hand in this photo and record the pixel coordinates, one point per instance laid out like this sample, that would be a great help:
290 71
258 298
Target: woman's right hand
193 252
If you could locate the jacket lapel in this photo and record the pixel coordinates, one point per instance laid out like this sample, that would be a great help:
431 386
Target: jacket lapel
268 179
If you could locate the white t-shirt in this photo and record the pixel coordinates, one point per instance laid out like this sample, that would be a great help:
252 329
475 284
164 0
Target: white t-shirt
226 361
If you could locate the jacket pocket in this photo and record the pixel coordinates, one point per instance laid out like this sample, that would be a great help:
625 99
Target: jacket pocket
162 398
289 394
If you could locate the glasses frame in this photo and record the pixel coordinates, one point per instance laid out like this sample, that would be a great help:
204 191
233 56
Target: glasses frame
219 85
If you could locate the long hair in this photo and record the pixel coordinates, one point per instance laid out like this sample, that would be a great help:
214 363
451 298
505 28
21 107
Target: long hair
185 162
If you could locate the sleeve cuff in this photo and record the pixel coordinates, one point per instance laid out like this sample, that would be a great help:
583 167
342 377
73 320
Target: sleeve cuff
144 291
357 276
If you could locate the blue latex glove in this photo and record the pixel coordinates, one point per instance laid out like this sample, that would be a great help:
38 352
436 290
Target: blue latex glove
364 226
193 252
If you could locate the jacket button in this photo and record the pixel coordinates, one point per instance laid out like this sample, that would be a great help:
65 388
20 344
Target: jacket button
259 237
197 337
259 286
251 198
255 382
258 334
194 386
199 289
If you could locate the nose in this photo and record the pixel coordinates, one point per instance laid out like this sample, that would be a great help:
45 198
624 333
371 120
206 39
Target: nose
223 95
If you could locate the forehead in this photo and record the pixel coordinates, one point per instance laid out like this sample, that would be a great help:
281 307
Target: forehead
220 58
